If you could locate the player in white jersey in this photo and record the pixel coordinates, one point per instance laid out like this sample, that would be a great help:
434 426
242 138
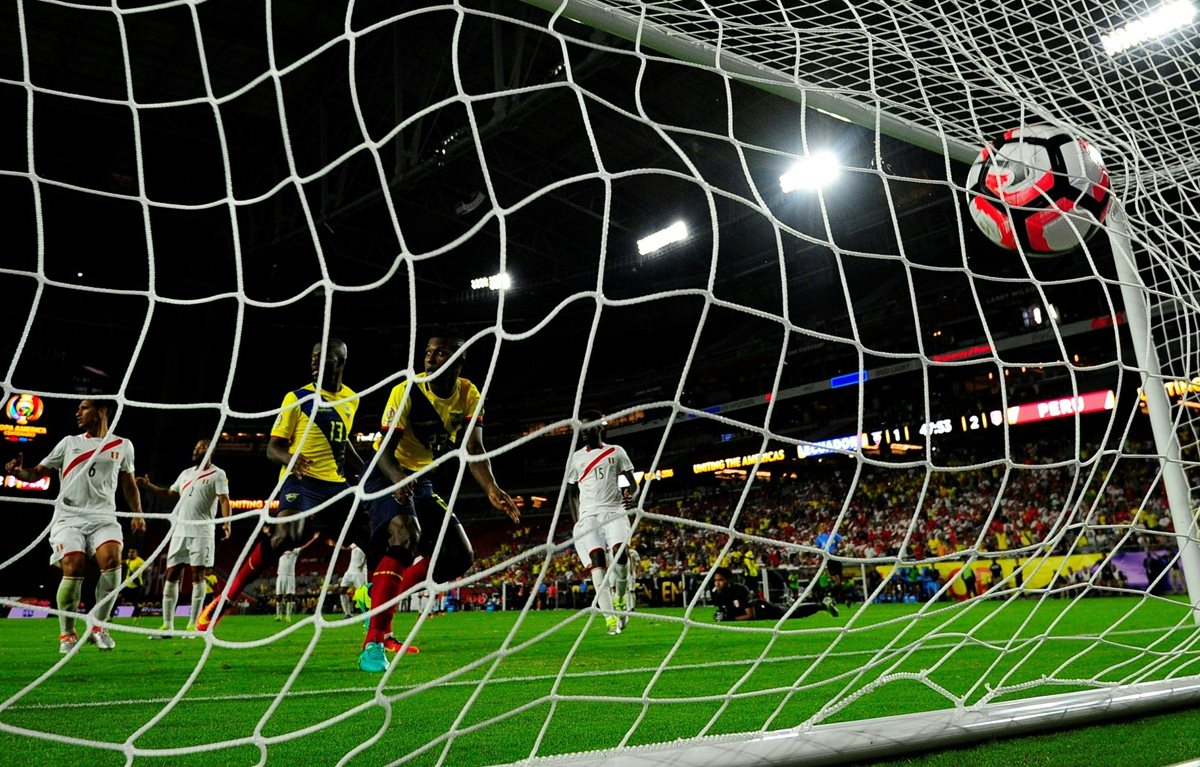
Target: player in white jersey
200 491
285 580
598 504
91 467
354 578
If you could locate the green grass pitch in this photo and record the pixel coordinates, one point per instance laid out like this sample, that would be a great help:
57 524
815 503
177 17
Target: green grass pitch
561 685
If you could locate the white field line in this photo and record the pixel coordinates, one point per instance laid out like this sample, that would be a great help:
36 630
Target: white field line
372 689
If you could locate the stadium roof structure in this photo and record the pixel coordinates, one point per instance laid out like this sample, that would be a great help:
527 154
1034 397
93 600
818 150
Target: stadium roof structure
520 171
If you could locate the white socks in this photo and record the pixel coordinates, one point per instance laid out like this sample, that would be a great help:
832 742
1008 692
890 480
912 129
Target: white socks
604 597
110 581
170 599
69 590
198 592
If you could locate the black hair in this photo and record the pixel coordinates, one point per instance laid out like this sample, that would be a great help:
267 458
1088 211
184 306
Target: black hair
724 572
447 333
109 405
591 415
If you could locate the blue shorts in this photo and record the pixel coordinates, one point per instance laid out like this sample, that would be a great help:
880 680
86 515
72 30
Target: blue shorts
304 493
428 507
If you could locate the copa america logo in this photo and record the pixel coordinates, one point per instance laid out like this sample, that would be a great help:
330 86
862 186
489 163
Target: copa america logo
24 408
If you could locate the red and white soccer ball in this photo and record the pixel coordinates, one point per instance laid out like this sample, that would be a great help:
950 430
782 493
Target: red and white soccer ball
1038 189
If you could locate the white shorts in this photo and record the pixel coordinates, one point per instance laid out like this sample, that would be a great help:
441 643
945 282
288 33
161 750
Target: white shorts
352 580
285 584
600 531
191 550
84 534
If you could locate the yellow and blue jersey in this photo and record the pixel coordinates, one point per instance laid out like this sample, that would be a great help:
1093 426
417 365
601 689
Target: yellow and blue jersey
325 442
434 426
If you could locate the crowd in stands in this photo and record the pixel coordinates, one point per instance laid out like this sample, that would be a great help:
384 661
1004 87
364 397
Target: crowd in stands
1037 505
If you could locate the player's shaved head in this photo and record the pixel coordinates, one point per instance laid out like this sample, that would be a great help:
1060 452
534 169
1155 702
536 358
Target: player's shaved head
334 345
332 356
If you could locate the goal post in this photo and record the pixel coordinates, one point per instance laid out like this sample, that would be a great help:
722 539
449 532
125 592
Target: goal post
1164 426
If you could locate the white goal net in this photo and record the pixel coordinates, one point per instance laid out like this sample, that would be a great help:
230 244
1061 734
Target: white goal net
957 480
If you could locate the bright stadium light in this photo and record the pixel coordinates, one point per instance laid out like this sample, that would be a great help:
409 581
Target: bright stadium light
499 281
812 172
1160 23
653 243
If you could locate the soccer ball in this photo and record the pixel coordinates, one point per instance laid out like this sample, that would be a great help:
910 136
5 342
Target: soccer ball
1039 189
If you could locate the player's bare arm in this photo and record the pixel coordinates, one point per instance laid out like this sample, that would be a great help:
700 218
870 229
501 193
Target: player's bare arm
309 542
278 454
162 492
354 464
129 489
226 510
14 468
573 501
482 471
390 467
629 492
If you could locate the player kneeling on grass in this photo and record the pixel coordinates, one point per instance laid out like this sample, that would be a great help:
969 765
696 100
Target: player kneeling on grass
91 466
734 602
199 490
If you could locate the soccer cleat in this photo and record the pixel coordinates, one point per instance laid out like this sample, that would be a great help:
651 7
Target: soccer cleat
101 638
67 642
392 644
164 628
614 626
278 618
829 606
373 658
204 621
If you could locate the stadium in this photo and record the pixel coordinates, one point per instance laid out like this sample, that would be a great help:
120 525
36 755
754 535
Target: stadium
776 247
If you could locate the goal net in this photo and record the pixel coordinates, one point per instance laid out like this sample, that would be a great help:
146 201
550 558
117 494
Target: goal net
959 478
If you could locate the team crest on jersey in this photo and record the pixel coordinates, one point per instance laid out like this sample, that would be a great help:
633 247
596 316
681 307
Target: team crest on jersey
113 454
291 496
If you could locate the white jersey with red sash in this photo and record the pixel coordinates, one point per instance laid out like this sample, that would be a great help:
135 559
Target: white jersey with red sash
595 471
88 470
198 489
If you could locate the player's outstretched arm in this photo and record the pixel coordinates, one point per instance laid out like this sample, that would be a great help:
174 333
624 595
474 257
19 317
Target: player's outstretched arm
482 471
316 534
162 492
129 489
14 468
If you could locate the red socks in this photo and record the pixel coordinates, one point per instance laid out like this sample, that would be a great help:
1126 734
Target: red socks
390 579
261 558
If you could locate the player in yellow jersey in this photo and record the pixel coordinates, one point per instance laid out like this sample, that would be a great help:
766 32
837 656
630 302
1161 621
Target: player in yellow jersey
309 442
421 423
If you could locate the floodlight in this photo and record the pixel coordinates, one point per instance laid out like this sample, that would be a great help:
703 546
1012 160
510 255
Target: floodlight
662 238
499 281
1159 23
812 172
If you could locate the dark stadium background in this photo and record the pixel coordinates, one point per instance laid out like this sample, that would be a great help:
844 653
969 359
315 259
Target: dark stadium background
218 310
